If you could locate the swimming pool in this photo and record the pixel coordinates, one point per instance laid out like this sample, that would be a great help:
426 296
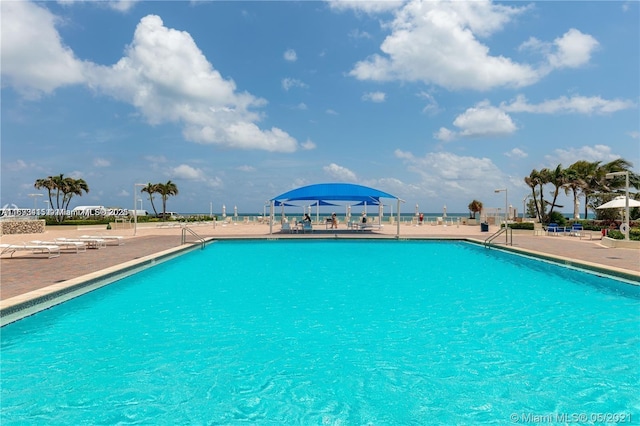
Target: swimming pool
330 332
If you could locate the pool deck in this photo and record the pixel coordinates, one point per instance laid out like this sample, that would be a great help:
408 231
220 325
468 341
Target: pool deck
26 276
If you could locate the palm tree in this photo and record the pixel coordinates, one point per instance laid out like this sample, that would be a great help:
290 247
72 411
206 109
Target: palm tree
474 207
48 184
73 187
151 189
533 181
166 190
556 177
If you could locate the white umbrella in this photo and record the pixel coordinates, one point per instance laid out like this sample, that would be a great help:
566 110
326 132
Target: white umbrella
444 209
235 211
619 203
224 211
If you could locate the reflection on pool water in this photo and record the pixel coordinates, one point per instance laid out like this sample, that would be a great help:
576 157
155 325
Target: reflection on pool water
329 332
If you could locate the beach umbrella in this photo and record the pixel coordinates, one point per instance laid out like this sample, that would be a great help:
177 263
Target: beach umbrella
348 212
224 211
417 210
619 203
235 211
380 212
444 211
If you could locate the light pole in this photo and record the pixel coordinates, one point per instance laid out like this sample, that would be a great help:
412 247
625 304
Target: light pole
506 212
626 200
135 202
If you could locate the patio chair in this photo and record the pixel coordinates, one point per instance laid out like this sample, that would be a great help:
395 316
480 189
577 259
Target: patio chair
554 229
306 226
576 229
64 245
92 243
50 251
286 227
115 240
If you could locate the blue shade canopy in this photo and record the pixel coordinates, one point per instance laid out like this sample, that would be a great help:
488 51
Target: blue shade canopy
334 192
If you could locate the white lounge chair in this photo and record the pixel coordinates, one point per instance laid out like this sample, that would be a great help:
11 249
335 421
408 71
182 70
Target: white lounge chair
306 226
50 251
92 243
64 245
118 241
286 227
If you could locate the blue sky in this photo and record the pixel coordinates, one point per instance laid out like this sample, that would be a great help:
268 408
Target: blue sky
438 103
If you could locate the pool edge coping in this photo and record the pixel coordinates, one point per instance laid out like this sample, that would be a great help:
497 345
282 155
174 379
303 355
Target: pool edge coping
30 303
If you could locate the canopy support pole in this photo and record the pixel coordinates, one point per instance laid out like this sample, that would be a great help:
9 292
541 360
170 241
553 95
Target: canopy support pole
398 224
271 217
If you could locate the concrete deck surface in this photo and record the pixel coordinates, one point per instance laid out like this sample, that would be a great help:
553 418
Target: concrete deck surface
25 272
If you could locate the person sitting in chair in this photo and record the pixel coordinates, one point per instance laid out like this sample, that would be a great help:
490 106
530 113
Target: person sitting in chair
334 221
364 218
307 218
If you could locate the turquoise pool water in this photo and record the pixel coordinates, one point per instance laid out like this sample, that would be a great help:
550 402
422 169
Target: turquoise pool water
330 332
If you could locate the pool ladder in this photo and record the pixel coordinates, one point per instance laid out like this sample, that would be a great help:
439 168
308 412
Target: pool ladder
201 240
509 236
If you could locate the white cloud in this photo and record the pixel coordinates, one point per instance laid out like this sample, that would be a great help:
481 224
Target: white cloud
573 49
119 5
444 174
516 153
288 83
184 171
101 162
156 158
246 168
308 145
431 106
366 6
331 112
566 157
340 173
634 134
484 120
563 104
290 55
17 166
437 43
358 34
377 97
34 59
302 106
166 76
445 135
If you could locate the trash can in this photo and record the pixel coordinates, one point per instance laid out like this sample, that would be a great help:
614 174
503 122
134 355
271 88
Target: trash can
484 227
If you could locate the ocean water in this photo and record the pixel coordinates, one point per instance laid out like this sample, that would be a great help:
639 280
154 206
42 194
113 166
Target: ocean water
330 332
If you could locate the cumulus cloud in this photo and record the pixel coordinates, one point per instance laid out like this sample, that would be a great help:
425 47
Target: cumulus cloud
366 6
246 168
574 104
439 43
377 97
573 49
569 156
34 59
444 173
340 173
118 5
163 74
479 121
516 153
290 55
166 76
308 145
184 171
288 83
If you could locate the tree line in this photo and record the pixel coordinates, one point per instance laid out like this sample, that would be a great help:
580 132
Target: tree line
62 189
581 179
